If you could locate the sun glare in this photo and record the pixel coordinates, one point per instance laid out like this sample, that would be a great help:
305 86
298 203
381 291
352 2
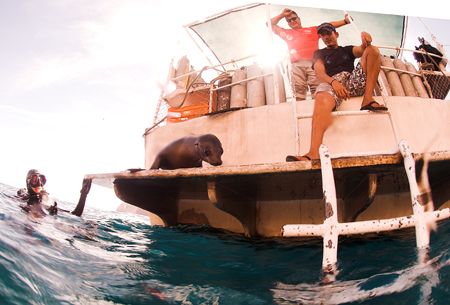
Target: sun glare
272 54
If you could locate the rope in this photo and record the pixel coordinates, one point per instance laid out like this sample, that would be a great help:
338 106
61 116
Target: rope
426 84
431 34
191 84
411 50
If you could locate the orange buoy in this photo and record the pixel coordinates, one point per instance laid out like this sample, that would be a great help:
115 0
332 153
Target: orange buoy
181 114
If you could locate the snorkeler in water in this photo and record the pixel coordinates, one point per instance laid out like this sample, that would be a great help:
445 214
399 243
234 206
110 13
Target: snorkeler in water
36 196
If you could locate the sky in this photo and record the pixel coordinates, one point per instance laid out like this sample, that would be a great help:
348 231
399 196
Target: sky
79 79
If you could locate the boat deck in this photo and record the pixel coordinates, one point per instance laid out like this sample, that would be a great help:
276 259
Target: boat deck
384 160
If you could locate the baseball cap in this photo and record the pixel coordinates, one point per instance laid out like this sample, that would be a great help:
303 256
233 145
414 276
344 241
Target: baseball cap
325 28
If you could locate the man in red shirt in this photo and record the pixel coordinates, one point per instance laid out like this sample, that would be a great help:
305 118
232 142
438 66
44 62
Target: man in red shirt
301 42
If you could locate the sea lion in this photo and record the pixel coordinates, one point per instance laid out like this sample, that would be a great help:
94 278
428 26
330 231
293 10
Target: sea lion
190 152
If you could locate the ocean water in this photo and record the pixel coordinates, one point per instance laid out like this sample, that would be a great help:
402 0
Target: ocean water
113 258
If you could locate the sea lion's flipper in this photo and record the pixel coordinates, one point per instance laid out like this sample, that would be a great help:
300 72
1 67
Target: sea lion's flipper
157 163
84 192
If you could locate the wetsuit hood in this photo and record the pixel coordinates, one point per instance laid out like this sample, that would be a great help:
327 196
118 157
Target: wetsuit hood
30 173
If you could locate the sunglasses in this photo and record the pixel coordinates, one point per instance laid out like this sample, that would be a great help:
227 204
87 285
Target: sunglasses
291 19
37 180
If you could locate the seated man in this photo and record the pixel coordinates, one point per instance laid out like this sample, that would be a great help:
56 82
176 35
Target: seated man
334 66
35 195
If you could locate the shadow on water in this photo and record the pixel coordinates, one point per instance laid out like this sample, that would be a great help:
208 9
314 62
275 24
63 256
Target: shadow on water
113 258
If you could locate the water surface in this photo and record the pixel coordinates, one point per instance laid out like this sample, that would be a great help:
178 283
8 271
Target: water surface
114 258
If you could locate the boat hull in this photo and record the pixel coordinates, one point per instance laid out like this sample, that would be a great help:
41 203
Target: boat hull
256 192
259 200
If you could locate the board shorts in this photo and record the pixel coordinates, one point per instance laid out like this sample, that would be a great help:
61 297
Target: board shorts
354 82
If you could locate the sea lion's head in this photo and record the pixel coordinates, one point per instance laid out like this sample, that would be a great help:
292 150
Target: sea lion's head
210 149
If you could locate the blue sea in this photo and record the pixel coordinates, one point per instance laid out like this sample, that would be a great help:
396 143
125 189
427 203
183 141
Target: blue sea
115 258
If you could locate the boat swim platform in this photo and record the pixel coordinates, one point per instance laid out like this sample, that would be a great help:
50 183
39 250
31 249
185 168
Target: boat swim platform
261 199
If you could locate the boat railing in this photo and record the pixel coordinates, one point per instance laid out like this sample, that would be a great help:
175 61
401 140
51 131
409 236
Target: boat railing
401 78
211 67
414 51
179 104
397 78
384 67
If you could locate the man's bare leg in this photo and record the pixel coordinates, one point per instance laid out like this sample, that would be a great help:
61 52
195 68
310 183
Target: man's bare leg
371 63
321 120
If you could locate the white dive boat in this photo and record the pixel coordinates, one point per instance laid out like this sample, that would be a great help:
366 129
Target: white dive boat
378 171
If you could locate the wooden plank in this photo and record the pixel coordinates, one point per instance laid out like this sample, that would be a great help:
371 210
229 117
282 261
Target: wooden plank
259 169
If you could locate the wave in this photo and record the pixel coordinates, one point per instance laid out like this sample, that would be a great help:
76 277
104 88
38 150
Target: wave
115 258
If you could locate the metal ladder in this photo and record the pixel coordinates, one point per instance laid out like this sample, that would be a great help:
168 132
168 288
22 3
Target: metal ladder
331 228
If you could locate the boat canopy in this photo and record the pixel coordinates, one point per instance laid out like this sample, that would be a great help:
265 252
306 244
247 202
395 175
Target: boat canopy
242 32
